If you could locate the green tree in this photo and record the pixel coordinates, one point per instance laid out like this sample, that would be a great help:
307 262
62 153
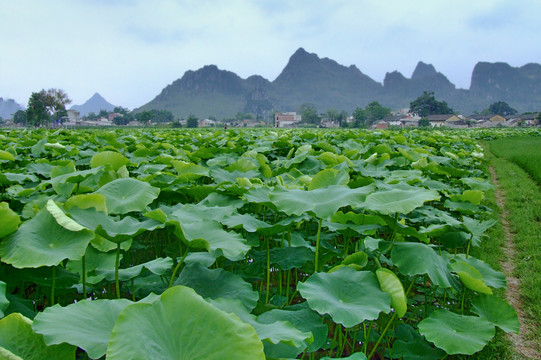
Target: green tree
46 105
192 121
144 116
360 117
501 108
427 104
309 114
424 122
19 117
375 111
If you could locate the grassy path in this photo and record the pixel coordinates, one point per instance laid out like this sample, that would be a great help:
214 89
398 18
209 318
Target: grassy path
519 197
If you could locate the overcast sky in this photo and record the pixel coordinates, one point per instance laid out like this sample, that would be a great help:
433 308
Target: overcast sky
128 51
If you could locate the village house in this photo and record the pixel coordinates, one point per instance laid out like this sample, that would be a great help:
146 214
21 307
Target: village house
442 120
286 119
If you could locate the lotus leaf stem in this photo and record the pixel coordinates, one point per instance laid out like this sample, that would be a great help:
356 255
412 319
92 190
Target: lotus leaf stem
381 336
53 285
83 260
316 262
117 265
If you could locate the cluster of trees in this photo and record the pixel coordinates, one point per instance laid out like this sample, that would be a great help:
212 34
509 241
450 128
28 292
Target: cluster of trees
44 107
426 105
363 117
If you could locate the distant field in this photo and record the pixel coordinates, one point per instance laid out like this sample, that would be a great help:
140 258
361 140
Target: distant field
523 151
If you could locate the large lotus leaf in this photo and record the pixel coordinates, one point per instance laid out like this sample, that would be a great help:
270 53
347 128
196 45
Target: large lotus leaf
211 235
323 203
243 165
189 171
409 345
497 311
182 325
304 319
41 241
4 302
287 258
478 184
280 338
416 258
9 220
186 213
247 221
125 195
349 296
94 260
111 228
113 158
491 277
400 201
86 201
86 324
19 342
224 176
328 177
477 227
218 283
4 155
390 284
471 277
457 334
157 266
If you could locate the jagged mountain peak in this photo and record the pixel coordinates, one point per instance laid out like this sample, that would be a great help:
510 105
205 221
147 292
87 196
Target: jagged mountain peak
94 104
423 70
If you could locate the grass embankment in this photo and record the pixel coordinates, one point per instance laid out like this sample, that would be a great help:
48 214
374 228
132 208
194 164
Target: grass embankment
518 169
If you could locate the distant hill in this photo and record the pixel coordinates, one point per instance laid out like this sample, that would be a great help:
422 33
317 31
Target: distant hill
8 107
94 104
309 79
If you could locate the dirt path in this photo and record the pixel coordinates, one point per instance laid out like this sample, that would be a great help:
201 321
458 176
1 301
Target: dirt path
521 344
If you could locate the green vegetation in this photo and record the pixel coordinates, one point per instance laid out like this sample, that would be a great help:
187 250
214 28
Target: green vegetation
501 108
523 151
270 244
427 104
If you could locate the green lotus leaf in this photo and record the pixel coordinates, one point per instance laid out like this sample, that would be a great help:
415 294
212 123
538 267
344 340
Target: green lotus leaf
412 346
304 319
280 338
497 311
4 302
218 283
157 266
247 221
223 176
287 258
174 326
471 277
86 201
348 296
416 258
9 220
478 184
125 195
476 227
18 341
473 196
40 241
111 228
457 334
359 258
211 236
113 158
243 165
61 218
328 177
4 155
491 277
399 200
10 178
94 260
189 171
86 324
186 213
323 203
390 284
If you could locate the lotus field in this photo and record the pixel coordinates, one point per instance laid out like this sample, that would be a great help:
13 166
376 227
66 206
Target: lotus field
245 244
